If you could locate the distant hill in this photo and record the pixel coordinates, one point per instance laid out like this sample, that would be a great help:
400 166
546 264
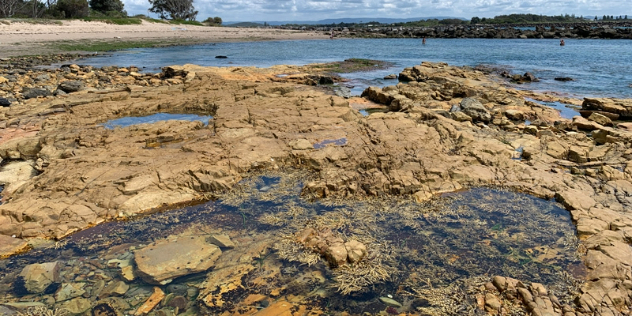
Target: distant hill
345 20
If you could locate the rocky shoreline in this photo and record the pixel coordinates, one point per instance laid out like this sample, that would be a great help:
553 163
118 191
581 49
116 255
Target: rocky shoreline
622 30
448 128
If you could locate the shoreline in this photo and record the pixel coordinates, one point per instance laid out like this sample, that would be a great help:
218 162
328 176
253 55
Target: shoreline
36 39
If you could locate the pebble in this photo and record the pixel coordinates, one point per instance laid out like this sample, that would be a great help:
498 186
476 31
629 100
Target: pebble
390 302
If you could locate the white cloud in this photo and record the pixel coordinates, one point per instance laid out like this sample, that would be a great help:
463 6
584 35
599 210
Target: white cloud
310 10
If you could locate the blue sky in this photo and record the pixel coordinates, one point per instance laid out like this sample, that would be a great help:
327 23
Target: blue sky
294 10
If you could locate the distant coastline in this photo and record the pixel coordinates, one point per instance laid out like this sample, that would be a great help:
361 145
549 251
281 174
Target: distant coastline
597 30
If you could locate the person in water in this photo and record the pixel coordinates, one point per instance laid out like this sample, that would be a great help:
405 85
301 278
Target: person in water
423 41
562 42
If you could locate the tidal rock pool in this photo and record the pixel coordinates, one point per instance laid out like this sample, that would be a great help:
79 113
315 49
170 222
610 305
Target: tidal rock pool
566 111
264 247
129 121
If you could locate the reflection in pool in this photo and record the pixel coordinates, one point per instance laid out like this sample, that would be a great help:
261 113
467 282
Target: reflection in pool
129 121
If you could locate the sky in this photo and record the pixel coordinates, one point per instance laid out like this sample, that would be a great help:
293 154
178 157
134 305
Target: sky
312 10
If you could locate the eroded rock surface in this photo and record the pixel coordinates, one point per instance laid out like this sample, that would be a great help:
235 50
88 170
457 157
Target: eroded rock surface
90 174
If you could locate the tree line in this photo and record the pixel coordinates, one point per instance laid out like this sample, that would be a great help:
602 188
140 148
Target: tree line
55 9
535 18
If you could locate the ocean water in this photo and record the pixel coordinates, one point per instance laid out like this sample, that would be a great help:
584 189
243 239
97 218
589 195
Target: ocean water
600 68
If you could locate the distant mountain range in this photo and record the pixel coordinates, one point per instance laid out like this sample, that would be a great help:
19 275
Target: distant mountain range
337 21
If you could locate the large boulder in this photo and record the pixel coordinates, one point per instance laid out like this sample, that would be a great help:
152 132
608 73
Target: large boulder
476 110
39 276
168 259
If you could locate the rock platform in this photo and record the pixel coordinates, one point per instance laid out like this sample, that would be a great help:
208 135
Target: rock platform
448 128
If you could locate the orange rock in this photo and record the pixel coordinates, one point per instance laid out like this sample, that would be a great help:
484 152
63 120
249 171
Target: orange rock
280 308
254 298
151 302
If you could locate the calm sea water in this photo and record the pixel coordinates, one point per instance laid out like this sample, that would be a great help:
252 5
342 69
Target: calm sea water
599 67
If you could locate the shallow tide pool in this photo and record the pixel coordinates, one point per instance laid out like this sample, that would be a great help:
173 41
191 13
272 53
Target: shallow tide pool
423 256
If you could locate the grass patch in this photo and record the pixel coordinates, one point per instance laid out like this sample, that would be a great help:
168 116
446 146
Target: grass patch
353 65
185 22
8 21
117 21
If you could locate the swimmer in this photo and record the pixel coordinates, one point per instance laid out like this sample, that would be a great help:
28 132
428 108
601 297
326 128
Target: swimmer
562 42
423 41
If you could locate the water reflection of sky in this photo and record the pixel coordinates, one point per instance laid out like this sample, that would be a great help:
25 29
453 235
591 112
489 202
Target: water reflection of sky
564 109
129 121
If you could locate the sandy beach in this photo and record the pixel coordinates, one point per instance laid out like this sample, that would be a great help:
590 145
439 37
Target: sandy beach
19 38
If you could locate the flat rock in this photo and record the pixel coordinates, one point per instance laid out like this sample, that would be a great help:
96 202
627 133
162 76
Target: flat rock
584 124
221 240
168 259
10 245
115 288
4 102
38 276
625 126
390 302
69 291
301 144
575 200
16 172
600 119
76 306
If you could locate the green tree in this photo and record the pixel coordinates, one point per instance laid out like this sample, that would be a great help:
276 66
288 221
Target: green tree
475 20
106 6
173 9
213 21
73 8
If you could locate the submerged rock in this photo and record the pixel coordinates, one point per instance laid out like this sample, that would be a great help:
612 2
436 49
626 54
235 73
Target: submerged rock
76 306
168 259
155 298
221 240
390 302
332 248
39 276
